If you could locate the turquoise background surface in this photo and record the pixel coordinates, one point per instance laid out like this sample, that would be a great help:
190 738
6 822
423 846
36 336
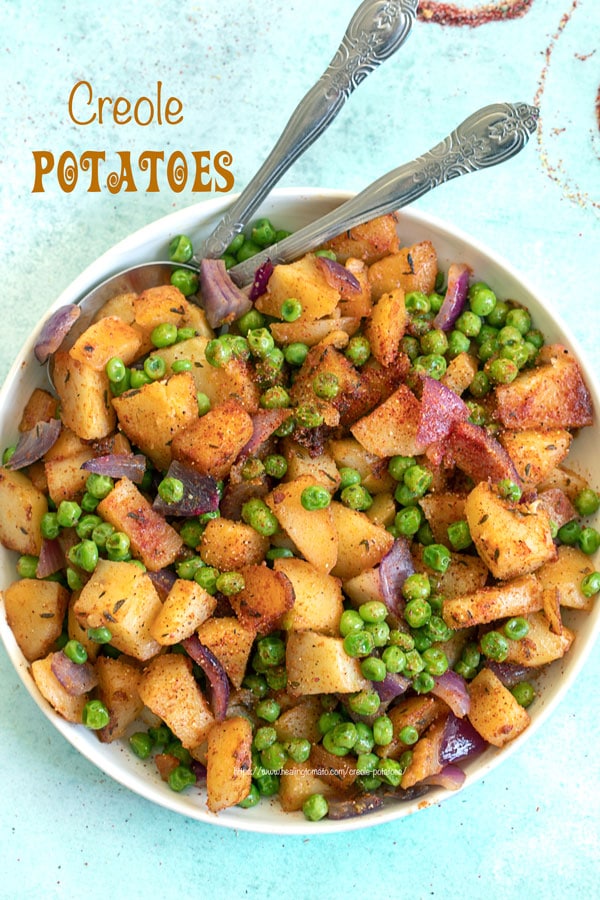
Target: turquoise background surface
531 827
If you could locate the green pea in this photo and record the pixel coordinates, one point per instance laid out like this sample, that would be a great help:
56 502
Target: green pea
291 309
358 350
271 650
365 741
359 644
186 280
394 659
155 367
252 468
411 346
142 744
373 611
180 778
263 233
519 319
587 502
256 683
494 645
417 302
516 628
138 379
74 580
75 651
457 343
295 353
408 735
218 353
328 254
502 371
398 465
373 668
268 709
298 749
251 799
380 632
488 349
100 635
459 535
164 335
356 496
257 514
417 612
49 526
480 385
171 490
534 336
590 584
95 715
268 784
422 640
435 342
497 316
278 553
436 661
315 807
180 249
589 540
418 479
405 496
117 546
260 342
367 762
68 513
524 693
328 720
469 323
206 577
275 465
88 502
308 416
432 364
85 526
116 369
437 557
84 555
275 397
364 703
436 629
482 299
264 737
401 639
315 497
423 683
471 655
230 583
344 734
416 587
191 532
570 532
350 622
408 521
383 731
326 385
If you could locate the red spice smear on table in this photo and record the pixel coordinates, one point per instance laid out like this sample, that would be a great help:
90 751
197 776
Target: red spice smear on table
452 14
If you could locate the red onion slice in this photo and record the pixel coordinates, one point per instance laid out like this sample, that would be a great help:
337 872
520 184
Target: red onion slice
440 409
394 569
479 454
451 778
215 674
261 280
339 277
51 559
33 444
76 678
163 580
391 687
459 740
456 296
200 493
509 673
118 465
54 331
264 423
452 689
349 808
223 301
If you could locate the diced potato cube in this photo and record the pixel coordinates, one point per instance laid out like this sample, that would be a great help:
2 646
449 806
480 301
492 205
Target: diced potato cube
391 429
386 325
321 468
512 539
118 689
65 478
313 331
35 611
186 607
565 574
536 452
228 545
540 645
41 407
374 474
300 721
231 642
465 574
318 664
121 597
108 337
551 395
169 689
152 416
228 763
460 373
425 759
518 597
361 543
297 783
411 268
302 525
22 507
368 241
417 712
67 705
363 587
494 712
153 540
265 598
441 510
304 281
357 303
84 397
318 602
211 444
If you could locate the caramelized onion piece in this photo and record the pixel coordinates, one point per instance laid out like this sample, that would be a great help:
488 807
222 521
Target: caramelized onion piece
200 493
394 569
456 296
54 331
452 689
118 465
33 444
215 674
261 279
441 407
76 678
223 300
459 740
338 276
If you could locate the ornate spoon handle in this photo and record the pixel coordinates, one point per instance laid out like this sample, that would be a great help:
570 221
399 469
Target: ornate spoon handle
377 29
490 136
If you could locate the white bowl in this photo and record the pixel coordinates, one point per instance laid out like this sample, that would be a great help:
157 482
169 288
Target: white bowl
292 208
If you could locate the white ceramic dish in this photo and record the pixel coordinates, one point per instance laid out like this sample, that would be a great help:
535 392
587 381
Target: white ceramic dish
292 208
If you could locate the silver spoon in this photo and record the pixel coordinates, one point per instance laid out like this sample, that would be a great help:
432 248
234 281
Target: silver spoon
377 29
488 137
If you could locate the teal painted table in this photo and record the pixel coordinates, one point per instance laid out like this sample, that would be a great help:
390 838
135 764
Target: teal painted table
530 828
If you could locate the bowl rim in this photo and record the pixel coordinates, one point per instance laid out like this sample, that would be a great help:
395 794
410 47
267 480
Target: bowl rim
206 212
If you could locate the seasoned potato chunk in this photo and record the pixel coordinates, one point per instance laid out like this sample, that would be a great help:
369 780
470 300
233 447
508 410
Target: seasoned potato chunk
231 642
22 506
368 241
565 574
494 712
108 337
211 444
169 689
318 664
317 598
228 763
186 607
391 429
66 705
411 268
361 543
536 452
118 689
541 645
518 597
265 598
304 281
84 397
35 611
302 524
386 325
228 545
